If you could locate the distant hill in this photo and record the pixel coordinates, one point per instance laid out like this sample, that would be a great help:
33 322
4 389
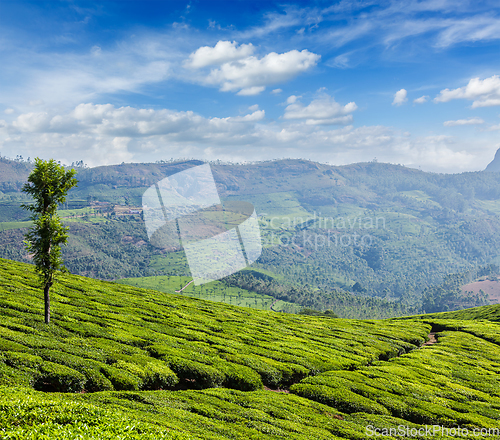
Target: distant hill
494 165
418 227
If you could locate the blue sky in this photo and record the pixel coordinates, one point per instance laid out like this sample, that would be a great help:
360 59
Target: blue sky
409 82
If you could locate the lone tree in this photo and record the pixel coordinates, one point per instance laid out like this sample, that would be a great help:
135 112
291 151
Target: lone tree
48 184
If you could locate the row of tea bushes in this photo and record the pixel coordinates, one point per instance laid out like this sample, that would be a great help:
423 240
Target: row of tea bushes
107 336
212 414
453 382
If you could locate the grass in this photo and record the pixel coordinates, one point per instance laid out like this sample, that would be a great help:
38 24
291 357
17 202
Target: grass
213 291
4 226
120 362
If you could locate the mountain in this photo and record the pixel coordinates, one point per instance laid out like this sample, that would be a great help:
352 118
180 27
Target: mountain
494 165
123 362
368 229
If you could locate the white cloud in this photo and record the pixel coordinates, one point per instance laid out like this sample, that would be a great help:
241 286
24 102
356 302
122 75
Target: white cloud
469 121
251 75
251 91
105 134
341 61
254 107
421 100
9 111
321 111
471 29
223 52
107 120
483 93
33 122
257 115
276 91
63 79
400 97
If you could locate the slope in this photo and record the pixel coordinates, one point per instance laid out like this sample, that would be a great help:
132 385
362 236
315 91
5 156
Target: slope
128 363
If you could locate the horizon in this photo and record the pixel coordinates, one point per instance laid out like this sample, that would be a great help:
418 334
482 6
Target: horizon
243 163
414 83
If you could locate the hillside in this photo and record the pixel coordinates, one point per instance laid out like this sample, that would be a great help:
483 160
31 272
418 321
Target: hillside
489 313
418 228
494 165
134 363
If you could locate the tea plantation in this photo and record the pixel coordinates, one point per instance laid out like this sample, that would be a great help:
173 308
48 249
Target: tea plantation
119 362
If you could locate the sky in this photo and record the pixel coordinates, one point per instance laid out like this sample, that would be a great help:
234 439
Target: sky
407 82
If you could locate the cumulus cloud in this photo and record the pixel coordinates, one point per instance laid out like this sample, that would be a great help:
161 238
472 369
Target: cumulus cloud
321 111
400 97
276 91
107 120
469 121
483 93
239 71
33 122
105 134
421 100
9 111
223 52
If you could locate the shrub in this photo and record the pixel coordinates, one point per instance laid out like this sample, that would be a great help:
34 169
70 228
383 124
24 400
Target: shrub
271 375
159 377
340 398
19 360
133 369
59 378
6 345
239 377
121 380
196 374
96 381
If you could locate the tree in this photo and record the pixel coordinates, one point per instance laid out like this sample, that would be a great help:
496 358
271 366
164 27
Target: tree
48 184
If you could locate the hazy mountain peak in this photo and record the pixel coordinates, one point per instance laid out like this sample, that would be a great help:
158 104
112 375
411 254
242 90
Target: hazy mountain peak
494 165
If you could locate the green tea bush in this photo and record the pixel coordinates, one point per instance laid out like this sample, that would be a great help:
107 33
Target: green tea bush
159 376
6 345
340 398
59 378
270 374
21 359
239 377
96 381
121 380
195 374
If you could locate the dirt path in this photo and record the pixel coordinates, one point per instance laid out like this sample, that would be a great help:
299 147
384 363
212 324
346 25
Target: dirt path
179 291
432 339
272 305
278 390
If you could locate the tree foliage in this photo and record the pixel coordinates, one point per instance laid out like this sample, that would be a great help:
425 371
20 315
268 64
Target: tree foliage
48 184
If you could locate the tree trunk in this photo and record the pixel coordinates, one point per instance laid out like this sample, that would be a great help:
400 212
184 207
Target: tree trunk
47 302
